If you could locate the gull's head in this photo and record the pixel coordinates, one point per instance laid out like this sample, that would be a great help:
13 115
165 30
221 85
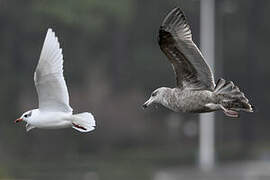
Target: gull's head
158 96
25 116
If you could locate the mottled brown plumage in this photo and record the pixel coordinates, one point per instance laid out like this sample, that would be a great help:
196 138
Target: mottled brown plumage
196 91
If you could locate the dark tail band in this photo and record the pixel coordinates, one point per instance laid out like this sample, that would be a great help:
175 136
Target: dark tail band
231 97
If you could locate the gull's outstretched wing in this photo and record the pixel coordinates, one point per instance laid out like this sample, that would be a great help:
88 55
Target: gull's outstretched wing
175 41
49 80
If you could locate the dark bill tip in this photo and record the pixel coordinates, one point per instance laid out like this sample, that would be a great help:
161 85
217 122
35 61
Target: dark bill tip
144 106
18 120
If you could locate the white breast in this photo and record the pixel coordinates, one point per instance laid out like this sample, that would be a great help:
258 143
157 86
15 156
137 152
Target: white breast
51 120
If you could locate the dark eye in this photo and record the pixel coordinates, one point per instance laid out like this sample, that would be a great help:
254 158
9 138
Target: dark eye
28 115
154 94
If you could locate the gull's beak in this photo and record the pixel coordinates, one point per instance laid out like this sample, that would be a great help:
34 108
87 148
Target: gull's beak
147 103
18 120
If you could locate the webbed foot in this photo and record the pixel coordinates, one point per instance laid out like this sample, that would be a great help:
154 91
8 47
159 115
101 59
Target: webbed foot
227 112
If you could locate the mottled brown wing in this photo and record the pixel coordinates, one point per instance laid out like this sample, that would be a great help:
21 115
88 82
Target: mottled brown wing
175 41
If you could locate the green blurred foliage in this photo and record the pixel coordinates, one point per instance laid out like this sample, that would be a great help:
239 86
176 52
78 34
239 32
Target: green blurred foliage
90 14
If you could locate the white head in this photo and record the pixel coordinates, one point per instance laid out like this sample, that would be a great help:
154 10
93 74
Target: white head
27 116
158 96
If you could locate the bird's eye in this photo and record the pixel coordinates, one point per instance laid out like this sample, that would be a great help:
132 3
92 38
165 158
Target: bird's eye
154 94
28 115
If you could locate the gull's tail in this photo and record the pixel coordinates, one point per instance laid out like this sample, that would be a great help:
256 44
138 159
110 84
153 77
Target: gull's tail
83 122
231 97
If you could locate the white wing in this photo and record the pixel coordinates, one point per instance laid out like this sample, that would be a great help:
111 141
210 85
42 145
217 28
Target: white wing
49 80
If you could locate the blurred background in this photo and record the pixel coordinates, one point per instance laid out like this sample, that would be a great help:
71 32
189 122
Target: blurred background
112 64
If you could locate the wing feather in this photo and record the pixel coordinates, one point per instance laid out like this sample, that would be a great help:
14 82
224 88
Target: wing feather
49 80
175 40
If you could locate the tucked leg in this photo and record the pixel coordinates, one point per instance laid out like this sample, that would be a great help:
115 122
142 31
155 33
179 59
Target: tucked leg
78 126
227 112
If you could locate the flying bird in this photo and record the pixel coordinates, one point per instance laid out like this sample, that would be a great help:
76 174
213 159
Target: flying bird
195 90
54 111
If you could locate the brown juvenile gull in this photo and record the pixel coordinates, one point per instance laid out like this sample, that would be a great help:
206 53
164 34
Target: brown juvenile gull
196 91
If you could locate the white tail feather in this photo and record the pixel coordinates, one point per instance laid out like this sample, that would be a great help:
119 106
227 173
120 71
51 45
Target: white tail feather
83 122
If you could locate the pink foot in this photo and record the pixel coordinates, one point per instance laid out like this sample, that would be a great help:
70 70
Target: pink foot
78 126
231 113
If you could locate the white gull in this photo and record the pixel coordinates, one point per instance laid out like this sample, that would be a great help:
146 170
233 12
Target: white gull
54 111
